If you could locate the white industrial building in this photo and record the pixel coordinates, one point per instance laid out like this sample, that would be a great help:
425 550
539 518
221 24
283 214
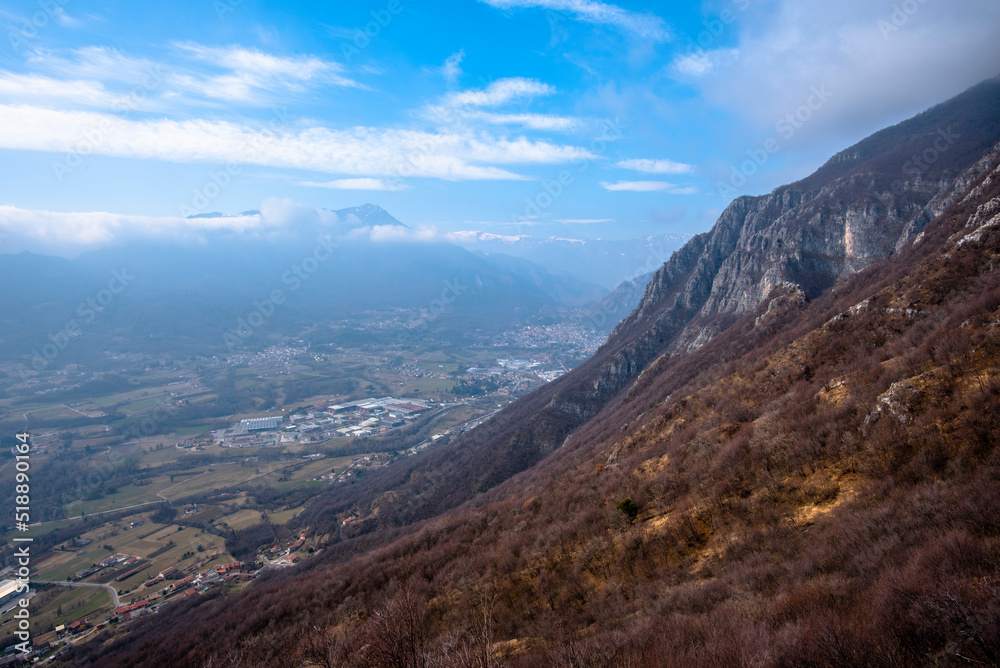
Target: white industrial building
260 424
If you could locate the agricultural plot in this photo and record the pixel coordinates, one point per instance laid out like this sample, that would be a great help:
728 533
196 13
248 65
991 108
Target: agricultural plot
160 546
219 476
127 495
242 519
54 605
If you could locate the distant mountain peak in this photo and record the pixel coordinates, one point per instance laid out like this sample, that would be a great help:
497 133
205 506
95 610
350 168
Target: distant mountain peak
366 215
218 214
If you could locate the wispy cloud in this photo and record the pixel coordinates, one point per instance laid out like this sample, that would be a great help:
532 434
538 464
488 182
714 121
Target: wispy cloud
655 166
449 116
648 187
467 107
390 185
35 88
99 63
452 68
218 74
500 92
646 26
251 71
701 63
65 19
542 122
360 151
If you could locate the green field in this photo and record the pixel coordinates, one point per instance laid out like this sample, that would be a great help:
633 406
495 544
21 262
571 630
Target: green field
124 496
54 605
141 405
218 476
140 541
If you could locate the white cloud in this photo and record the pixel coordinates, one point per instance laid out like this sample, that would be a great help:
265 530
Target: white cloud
359 184
68 233
252 71
281 212
542 122
646 26
230 74
464 107
450 116
98 63
65 19
585 221
452 69
701 63
647 187
501 92
359 151
655 166
881 65
36 88
396 233
240 59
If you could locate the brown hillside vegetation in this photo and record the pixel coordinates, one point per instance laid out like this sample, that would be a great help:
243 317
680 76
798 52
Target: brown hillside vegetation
817 485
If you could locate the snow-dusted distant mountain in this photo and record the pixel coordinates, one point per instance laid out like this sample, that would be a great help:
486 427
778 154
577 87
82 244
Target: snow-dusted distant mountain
605 262
365 215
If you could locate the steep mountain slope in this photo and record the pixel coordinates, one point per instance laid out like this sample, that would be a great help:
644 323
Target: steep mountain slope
807 476
763 250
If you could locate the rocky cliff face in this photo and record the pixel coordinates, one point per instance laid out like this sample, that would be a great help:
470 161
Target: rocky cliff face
797 242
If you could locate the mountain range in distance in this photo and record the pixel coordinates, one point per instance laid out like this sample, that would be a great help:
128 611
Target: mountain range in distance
608 263
329 267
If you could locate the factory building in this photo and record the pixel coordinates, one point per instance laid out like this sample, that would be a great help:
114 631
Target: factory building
260 424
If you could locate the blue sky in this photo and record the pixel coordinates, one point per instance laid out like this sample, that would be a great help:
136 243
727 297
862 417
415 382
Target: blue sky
572 118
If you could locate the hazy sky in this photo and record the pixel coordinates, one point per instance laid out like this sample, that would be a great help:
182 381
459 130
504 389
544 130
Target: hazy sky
547 117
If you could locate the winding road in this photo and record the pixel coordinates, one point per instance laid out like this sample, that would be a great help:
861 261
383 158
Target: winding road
114 592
